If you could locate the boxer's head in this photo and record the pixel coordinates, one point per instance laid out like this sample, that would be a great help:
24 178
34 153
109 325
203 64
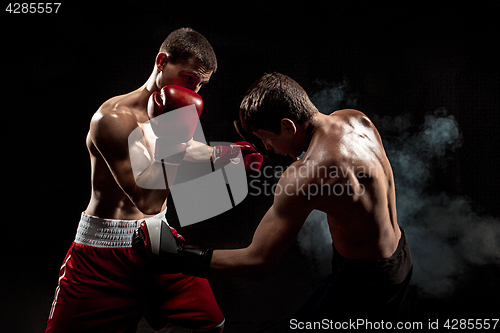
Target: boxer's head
186 58
273 109
272 98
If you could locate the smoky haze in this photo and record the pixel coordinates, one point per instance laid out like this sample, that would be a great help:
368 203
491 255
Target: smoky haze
446 236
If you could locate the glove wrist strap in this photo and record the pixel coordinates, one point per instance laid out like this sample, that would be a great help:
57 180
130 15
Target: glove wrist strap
226 154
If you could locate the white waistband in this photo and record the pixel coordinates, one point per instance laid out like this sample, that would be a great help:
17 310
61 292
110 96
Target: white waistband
99 232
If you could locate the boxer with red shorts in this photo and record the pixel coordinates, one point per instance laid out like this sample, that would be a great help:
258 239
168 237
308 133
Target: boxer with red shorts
104 286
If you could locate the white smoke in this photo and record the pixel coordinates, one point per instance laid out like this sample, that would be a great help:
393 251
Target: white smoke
446 236
331 97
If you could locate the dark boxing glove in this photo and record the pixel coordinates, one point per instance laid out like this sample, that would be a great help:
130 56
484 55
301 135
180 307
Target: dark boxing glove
173 112
165 248
251 157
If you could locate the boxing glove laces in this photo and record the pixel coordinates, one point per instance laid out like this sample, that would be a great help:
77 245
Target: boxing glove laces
252 159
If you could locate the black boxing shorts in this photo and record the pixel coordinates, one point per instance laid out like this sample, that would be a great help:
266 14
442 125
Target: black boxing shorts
362 289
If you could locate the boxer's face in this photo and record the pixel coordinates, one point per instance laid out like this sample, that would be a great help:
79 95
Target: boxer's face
189 73
282 143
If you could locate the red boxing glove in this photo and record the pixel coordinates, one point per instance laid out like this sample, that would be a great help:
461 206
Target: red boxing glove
251 158
173 112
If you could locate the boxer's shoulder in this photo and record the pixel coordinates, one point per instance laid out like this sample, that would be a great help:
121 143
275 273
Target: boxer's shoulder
113 108
114 120
348 113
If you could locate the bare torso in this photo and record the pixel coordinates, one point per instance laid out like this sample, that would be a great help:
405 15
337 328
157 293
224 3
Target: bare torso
108 199
344 173
347 154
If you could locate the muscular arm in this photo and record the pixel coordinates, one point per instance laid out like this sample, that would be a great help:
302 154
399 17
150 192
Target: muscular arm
274 235
109 132
198 152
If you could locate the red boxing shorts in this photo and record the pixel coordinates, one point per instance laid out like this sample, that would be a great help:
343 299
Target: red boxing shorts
104 286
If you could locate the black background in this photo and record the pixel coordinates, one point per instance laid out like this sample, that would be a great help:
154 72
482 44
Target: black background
398 57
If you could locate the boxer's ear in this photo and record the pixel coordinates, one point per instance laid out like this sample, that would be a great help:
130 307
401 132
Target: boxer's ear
288 125
161 60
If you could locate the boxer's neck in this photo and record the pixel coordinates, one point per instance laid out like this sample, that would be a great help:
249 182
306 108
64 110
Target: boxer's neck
309 129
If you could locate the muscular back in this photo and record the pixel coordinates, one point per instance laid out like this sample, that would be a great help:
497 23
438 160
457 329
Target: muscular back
346 161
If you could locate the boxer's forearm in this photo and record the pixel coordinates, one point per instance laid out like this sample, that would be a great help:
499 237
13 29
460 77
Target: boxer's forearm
198 152
197 261
238 263
272 238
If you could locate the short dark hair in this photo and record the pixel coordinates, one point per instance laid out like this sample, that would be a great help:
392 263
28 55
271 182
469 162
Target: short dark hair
271 98
184 43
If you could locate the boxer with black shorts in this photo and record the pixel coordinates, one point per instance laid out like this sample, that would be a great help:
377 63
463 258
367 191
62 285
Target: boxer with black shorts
346 174
104 286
